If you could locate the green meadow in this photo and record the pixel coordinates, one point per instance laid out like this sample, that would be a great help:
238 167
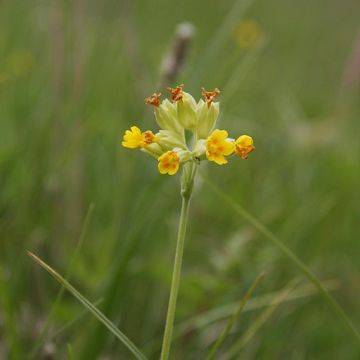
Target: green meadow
74 76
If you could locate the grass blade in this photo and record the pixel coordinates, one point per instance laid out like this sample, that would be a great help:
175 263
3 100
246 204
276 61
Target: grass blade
234 318
42 336
93 309
286 251
260 321
222 312
73 321
209 317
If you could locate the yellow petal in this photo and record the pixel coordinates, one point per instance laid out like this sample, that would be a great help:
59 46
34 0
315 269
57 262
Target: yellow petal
220 160
161 168
173 170
135 130
219 134
229 148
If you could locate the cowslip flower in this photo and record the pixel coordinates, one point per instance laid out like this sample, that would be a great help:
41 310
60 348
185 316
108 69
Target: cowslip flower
244 145
134 138
169 163
248 34
183 114
218 146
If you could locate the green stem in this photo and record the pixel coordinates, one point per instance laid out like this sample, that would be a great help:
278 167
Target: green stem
186 190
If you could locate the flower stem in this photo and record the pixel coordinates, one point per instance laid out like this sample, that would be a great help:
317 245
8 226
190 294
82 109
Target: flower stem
186 190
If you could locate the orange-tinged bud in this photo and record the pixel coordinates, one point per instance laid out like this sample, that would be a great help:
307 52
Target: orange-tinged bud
244 145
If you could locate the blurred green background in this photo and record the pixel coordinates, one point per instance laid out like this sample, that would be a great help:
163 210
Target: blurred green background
73 77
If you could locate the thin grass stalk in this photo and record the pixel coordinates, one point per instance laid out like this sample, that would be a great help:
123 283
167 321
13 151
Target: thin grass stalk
236 316
41 338
286 251
58 60
260 321
223 312
186 191
92 308
212 316
75 192
73 321
124 251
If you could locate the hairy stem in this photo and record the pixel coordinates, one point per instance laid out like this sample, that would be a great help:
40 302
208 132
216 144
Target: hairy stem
186 190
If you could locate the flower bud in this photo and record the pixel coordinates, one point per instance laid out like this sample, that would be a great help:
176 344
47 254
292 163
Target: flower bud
186 111
169 139
207 114
166 117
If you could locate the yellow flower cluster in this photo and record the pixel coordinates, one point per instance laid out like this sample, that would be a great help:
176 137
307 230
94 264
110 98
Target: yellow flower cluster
169 145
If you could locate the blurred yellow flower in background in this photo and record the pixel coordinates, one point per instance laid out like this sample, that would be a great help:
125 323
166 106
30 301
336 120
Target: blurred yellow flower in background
248 33
20 62
16 64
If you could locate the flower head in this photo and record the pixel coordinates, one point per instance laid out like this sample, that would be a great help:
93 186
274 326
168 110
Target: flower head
134 138
180 115
244 145
169 163
218 146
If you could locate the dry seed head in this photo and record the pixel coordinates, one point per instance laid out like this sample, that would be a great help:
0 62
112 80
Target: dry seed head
153 99
209 96
176 93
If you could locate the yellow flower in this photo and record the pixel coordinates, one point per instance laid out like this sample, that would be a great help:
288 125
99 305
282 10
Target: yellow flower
248 33
176 115
218 146
244 145
134 138
169 163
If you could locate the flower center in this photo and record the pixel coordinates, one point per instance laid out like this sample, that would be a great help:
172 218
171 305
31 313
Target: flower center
148 137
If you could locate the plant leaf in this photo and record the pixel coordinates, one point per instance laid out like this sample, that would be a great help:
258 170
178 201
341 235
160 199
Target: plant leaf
93 309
